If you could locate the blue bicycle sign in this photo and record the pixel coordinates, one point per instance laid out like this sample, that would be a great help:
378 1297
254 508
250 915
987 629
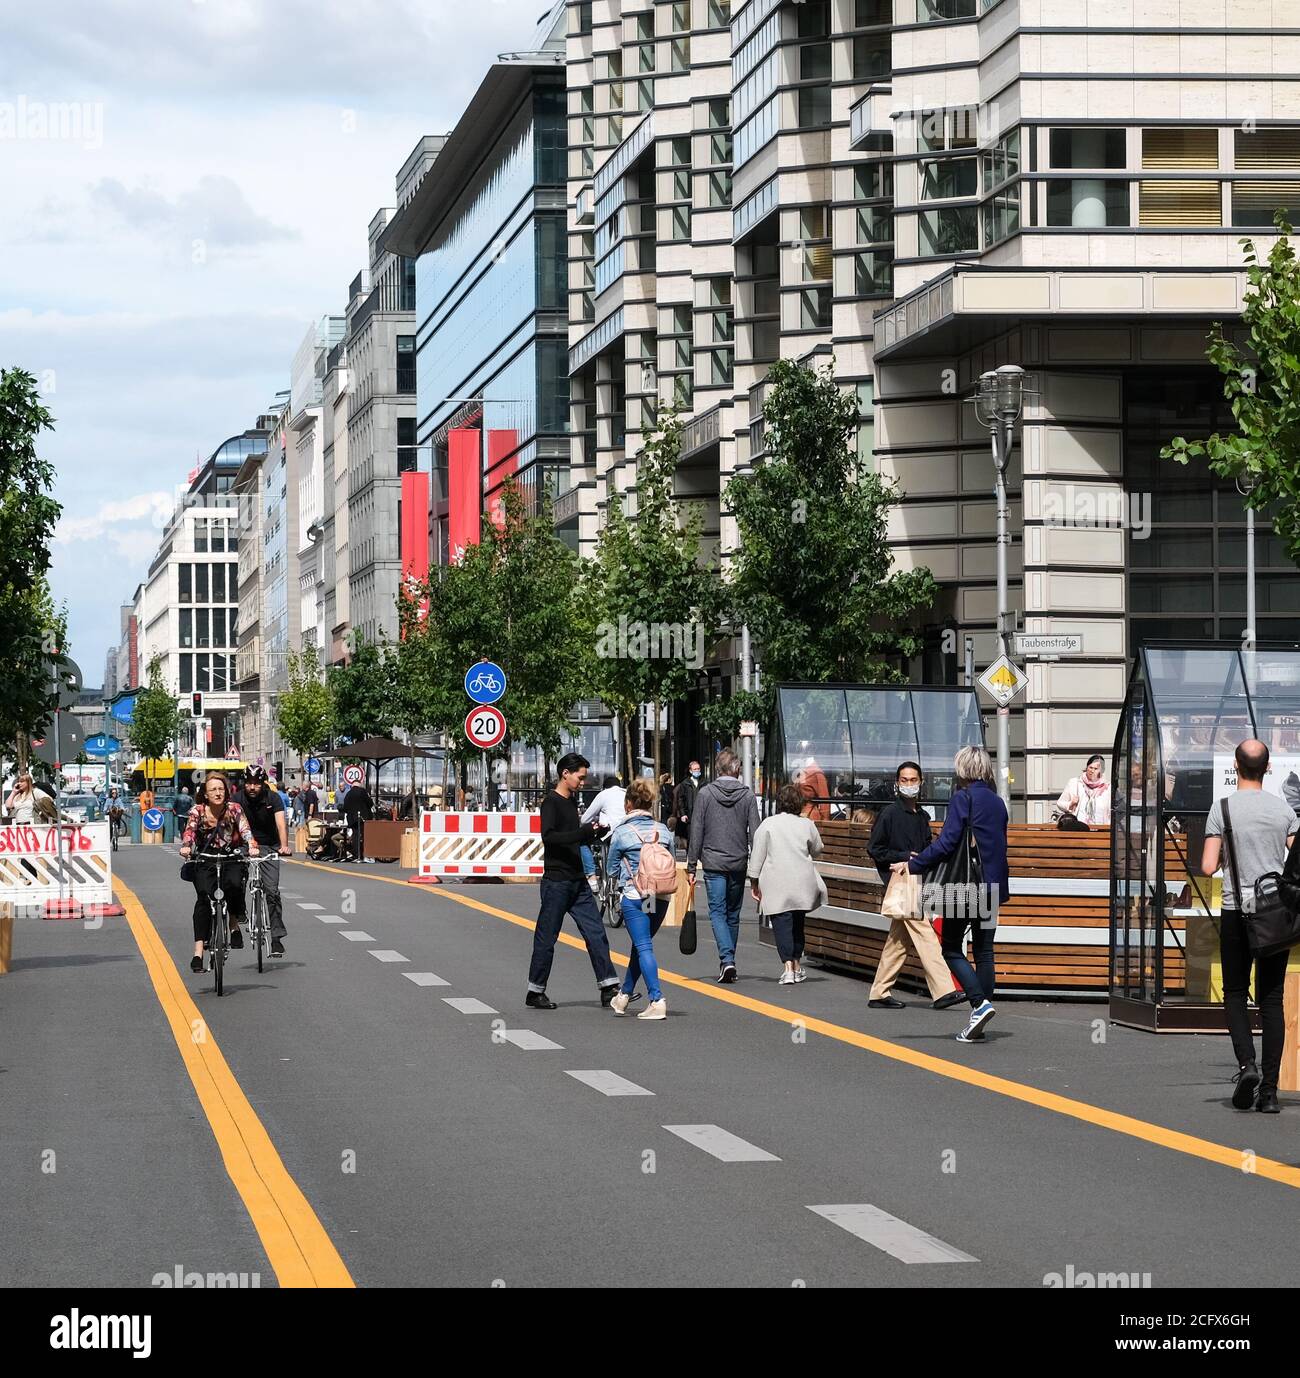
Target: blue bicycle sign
485 682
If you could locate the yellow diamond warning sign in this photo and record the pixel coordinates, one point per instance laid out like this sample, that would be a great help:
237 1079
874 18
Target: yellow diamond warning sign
1002 681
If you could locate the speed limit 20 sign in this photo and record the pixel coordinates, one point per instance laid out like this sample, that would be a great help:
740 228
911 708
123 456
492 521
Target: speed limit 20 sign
485 727
353 775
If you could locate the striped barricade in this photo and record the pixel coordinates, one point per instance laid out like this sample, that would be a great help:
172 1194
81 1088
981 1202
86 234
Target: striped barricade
31 875
479 844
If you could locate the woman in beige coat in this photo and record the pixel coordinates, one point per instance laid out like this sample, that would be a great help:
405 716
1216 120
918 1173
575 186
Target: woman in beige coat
783 878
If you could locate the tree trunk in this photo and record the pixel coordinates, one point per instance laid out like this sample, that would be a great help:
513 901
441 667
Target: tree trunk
446 761
629 763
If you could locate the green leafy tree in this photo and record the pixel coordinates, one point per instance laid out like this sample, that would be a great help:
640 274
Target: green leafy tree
359 693
1261 382
155 719
657 603
812 574
27 517
27 671
407 668
305 710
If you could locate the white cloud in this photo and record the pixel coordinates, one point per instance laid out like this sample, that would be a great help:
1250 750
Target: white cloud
151 509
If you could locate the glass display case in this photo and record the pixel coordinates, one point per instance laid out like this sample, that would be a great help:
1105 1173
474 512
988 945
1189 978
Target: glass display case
843 742
1186 709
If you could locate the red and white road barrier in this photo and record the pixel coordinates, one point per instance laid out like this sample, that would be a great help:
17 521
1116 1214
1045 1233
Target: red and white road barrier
479 844
31 874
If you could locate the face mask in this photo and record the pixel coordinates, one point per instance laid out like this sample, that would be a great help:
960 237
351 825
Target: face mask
695 775
909 791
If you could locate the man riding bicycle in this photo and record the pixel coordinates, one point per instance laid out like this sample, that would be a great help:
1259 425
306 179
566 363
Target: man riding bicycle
264 810
217 824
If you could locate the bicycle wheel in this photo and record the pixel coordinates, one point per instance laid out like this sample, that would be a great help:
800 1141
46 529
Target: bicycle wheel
259 925
611 908
219 943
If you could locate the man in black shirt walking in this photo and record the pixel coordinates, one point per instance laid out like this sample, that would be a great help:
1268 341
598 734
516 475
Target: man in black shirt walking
265 812
564 887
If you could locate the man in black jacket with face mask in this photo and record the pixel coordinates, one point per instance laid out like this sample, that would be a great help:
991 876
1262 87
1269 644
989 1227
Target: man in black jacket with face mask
902 830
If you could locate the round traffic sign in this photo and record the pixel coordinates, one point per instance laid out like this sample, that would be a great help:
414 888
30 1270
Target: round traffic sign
485 727
153 819
312 765
353 775
485 682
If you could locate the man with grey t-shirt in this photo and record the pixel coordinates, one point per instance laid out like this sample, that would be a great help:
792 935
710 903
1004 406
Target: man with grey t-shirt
1262 828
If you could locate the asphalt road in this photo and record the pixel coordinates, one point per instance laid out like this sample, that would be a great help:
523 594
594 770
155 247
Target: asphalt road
761 1135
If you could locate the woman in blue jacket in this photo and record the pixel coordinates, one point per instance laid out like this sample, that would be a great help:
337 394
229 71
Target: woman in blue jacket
642 914
974 802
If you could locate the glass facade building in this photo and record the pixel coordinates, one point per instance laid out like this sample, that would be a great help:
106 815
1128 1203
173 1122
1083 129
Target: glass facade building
491 282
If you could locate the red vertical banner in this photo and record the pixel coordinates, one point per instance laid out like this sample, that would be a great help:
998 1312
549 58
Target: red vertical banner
464 495
501 446
414 534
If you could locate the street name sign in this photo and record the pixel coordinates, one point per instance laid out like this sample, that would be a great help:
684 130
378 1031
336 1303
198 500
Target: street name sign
1045 644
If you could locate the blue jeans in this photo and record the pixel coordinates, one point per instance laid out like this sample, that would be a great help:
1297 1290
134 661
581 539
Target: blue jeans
561 897
641 928
588 861
726 892
976 981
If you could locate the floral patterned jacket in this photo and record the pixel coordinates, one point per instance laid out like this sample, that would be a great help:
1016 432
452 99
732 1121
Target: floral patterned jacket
217 837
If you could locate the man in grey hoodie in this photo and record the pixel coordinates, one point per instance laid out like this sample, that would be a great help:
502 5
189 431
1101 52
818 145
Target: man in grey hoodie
722 833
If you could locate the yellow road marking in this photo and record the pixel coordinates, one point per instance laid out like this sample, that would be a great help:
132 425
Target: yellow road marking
1240 1159
300 1251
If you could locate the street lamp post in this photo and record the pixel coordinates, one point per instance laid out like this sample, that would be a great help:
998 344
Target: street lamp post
997 405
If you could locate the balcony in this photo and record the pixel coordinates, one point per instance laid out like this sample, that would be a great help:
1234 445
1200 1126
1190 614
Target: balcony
870 125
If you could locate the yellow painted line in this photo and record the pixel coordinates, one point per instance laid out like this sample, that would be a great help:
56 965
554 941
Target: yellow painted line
300 1251
1241 1160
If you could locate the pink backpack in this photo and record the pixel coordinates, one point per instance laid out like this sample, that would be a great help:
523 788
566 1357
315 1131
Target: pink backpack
656 871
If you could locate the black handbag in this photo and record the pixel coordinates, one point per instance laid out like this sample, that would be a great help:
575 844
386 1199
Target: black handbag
1270 910
955 887
188 871
687 938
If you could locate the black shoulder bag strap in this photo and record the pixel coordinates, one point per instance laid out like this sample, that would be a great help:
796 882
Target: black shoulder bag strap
1232 858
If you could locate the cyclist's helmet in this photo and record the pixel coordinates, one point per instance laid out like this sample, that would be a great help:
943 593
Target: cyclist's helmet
255 773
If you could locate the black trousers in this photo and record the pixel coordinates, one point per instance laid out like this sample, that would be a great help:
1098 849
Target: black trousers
1270 979
233 879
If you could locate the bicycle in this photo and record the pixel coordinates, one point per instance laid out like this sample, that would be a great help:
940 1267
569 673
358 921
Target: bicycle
609 889
116 822
219 935
259 915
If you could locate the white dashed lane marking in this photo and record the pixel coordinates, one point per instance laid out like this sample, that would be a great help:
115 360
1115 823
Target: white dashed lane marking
728 1147
330 918
891 1235
288 895
609 1084
528 1040
355 935
425 978
466 1004
311 906
387 955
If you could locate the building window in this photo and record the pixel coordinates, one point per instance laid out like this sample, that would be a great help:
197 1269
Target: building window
941 130
875 225
720 367
645 95
681 16
407 453
645 53
187 628
201 584
219 584
201 535
1254 204
866 392
873 274
815 309
582 18
719 113
867 13
814 106
1088 203
202 627
719 189
186 673
719 149
815 19
1176 202
1001 217
871 56
932 11
406 363
952 230
219 627
1173 150
203 677
681 55
184 584
1002 161
1070 148
873 181
815 62
952 177
719 14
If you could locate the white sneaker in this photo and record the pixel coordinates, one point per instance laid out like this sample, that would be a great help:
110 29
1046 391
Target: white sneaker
619 1003
594 882
800 975
788 978
656 1009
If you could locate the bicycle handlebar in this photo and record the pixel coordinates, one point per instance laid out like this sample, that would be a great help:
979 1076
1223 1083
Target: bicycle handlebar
246 857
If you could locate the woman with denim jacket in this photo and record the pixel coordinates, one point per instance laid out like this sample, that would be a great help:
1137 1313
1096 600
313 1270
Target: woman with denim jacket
642 914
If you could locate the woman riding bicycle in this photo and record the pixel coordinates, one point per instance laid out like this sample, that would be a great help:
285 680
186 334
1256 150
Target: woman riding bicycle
216 824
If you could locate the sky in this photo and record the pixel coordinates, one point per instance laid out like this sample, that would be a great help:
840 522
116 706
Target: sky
184 188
